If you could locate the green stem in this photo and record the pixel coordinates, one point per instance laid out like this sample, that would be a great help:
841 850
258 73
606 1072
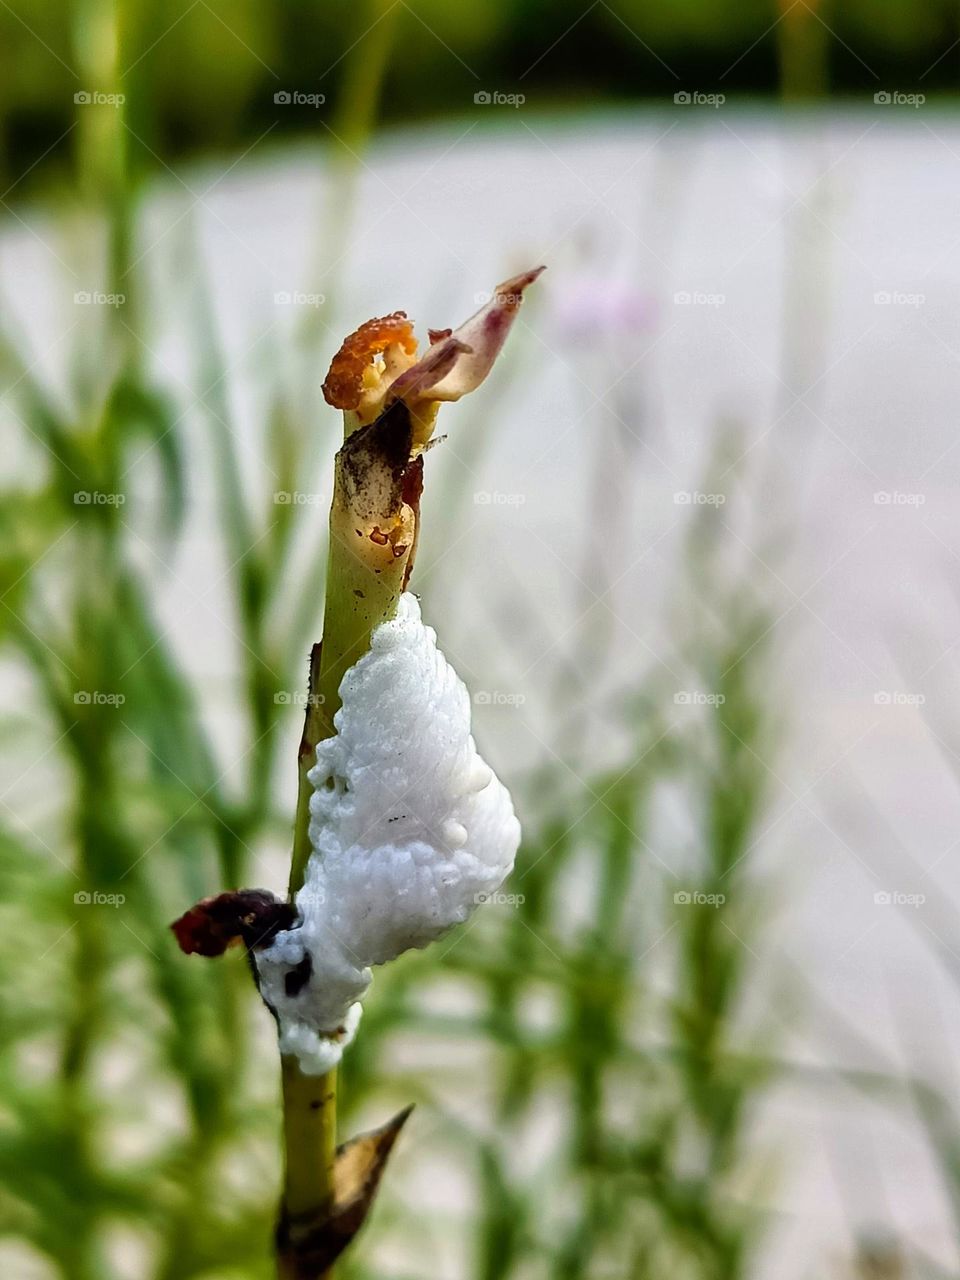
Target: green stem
364 581
360 595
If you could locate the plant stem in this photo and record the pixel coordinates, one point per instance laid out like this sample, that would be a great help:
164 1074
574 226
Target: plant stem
310 1139
364 581
360 595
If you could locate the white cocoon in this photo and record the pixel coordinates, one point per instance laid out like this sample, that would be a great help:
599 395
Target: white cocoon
410 831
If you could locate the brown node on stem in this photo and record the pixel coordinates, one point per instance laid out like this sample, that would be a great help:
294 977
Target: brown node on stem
343 385
308 1246
379 482
372 465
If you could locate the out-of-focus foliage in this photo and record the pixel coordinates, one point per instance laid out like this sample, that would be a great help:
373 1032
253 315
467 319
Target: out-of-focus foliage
211 70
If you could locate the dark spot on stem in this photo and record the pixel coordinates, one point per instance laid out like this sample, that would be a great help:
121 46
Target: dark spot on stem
298 977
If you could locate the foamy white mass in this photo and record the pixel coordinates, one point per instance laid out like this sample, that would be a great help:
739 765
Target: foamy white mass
410 831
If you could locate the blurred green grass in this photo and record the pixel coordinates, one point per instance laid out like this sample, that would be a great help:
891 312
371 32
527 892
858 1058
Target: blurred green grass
202 76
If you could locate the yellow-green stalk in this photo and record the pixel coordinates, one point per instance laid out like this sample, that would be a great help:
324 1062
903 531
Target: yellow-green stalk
371 547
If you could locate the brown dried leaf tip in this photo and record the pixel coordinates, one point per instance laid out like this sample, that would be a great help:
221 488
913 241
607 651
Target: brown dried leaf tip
251 916
306 1248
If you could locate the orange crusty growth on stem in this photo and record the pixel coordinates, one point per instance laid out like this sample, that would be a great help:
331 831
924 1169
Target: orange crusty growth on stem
343 385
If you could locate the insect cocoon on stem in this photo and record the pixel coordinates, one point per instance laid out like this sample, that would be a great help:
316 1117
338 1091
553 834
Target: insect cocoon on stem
410 829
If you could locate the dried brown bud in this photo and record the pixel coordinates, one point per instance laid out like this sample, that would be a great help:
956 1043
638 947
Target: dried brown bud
343 385
251 916
306 1248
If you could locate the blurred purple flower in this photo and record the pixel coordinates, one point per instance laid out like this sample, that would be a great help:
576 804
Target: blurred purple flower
594 311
